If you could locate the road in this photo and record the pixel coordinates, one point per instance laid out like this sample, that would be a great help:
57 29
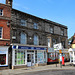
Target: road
54 72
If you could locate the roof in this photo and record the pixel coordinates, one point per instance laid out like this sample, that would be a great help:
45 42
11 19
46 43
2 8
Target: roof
49 21
73 39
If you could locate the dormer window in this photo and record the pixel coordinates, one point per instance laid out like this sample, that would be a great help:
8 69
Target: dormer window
1 12
23 22
35 26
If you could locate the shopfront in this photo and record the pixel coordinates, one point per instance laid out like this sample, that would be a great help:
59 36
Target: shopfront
28 55
52 56
3 56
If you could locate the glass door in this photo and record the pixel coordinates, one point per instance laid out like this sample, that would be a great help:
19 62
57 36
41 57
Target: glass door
30 59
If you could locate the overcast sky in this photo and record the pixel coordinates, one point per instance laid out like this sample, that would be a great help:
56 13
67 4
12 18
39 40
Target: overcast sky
60 11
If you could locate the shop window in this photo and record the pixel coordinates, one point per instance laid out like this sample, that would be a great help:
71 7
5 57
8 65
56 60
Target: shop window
23 39
2 59
35 26
41 57
51 30
1 12
23 22
36 40
0 32
19 57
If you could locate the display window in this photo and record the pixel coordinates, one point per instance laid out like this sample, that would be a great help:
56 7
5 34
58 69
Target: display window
2 59
41 56
19 57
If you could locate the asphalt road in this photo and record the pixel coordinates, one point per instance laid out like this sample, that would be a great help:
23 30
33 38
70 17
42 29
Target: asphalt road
58 72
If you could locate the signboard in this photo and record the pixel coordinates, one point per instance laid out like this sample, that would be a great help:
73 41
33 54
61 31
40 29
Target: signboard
58 46
3 52
50 49
30 48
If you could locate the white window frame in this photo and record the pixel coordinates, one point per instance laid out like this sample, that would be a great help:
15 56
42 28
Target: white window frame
1 32
35 26
1 12
23 38
51 30
36 40
23 22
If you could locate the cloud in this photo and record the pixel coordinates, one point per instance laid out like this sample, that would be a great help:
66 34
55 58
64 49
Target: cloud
2 1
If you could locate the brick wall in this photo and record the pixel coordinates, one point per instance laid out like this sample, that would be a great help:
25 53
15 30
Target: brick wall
3 23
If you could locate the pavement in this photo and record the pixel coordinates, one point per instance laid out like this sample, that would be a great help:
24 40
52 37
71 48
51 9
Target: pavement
51 67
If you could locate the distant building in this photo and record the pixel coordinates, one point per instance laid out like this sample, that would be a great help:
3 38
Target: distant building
29 37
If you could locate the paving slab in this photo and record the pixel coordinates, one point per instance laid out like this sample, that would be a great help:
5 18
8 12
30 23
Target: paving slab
36 69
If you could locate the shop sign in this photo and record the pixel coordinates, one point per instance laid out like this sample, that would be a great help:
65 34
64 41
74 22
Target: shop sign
58 46
2 52
27 47
50 49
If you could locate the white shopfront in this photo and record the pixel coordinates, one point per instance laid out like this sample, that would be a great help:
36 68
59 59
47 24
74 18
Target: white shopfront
28 55
3 56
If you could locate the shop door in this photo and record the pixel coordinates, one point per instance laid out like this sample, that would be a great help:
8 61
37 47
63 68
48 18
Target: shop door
30 59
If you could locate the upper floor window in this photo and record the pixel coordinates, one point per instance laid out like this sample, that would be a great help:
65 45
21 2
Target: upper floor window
35 26
54 41
23 39
1 12
51 30
49 42
23 22
62 32
63 44
36 40
0 32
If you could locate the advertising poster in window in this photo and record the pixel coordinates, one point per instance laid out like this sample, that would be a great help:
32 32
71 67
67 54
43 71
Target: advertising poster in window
18 58
22 58
40 57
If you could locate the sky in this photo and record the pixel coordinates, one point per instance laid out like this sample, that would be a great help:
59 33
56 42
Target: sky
60 11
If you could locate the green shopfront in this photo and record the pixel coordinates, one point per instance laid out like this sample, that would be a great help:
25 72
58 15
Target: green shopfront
28 56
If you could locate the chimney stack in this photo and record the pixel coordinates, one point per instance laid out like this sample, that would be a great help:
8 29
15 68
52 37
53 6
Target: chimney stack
9 2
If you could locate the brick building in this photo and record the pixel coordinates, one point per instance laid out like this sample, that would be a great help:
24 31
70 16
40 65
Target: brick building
30 36
5 19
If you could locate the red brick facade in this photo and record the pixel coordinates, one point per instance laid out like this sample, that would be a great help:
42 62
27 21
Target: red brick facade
3 23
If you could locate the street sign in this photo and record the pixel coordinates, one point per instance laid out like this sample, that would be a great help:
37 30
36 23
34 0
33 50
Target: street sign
58 46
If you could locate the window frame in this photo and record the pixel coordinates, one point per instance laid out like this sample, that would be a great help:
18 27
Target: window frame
1 12
51 29
62 32
36 42
1 32
23 22
21 39
35 25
